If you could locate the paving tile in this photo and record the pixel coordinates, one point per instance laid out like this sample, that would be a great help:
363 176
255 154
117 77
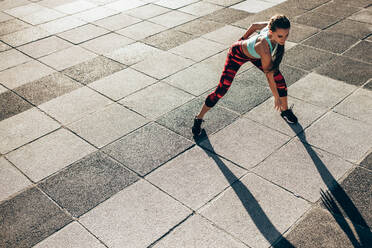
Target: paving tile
107 125
225 35
24 10
301 32
122 83
12 181
321 229
93 69
357 29
248 143
328 91
304 4
367 161
351 145
74 105
95 14
98 174
317 20
198 232
8 4
67 57
193 177
24 36
199 27
4 47
62 24
29 218
141 30
47 88
42 16
73 235
141 214
255 211
74 7
306 58
200 8
5 17
43 157
356 3
123 5
225 3
83 33
3 89
226 15
363 15
336 9
334 42
172 19
117 22
353 72
147 11
12 58
106 43
162 65
54 3
147 148
11 104
156 103
23 128
361 51
174 4
44 47
168 39
357 106
198 49
12 25
253 6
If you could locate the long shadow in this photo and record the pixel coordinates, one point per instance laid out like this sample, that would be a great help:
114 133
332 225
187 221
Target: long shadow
251 205
335 193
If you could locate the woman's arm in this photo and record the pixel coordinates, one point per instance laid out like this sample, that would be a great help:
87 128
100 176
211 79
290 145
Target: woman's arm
253 28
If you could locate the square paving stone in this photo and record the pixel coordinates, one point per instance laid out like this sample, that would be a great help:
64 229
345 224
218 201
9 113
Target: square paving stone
175 4
11 104
92 70
336 9
357 29
74 7
23 128
107 125
74 235
29 218
24 36
317 20
42 16
357 106
172 19
334 42
44 47
117 22
198 232
49 154
162 65
140 213
106 43
12 58
266 114
12 25
364 15
300 32
95 14
225 3
141 30
24 10
147 11
54 3
355 141
199 27
347 70
74 105
195 177
367 161
306 58
361 51
310 170
122 83
198 49
227 15
160 99
62 24
87 183
226 35
82 33
245 142
200 8
328 92
67 57
255 211
321 229
123 5
47 88
168 39
11 180
147 148
253 6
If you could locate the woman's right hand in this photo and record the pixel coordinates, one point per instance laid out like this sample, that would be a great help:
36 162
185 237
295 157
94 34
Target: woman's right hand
277 103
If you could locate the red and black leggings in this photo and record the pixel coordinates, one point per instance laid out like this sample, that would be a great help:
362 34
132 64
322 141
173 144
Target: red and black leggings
235 59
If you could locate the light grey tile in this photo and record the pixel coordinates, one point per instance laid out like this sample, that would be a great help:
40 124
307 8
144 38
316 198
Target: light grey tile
25 36
123 5
4 47
147 11
44 47
83 33
9 4
364 15
95 14
200 8
106 43
253 6
62 24
141 30
172 19
117 22
11 58
24 10
42 16
5 17
12 25
74 7
174 4
225 35
225 3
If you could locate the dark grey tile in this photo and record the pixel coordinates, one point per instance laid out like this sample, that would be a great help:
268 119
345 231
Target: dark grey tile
47 88
227 15
362 51
321 229
147 148
357 29
306 58
88 182
316 20
168 39
11 104
29 218
336 9
304 4
367 161
199 27
301 32
181 119
94 69
345 69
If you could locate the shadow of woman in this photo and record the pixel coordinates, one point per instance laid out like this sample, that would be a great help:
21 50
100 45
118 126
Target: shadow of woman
251 205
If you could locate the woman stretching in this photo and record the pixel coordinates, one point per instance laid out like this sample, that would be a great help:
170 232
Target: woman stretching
265 50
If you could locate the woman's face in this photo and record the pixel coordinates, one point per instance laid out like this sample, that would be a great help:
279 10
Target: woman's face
280 35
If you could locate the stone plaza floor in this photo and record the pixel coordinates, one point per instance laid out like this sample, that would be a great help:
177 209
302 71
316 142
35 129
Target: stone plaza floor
97 99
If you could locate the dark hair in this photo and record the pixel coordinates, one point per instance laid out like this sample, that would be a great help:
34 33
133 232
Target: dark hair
278 21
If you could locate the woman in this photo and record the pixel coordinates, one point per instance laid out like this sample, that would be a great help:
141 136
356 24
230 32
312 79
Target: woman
265 50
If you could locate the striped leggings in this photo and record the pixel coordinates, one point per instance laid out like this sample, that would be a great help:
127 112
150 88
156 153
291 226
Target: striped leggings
235 59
